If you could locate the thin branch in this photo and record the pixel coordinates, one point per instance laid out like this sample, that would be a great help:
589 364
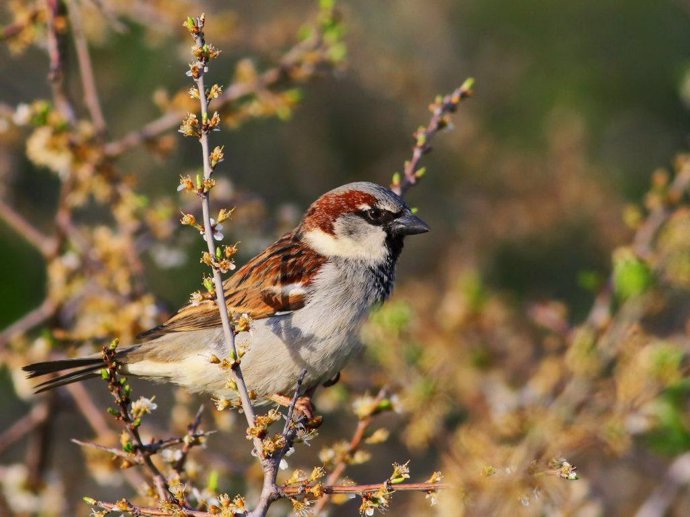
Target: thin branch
88 80
228 332
31 319
121 394
647 232
126 506
151 448
38 414
188 441
642 243
355 443
87 407
368 489
128 456
440 109
269 490
233 92
37 451
293 402
56 71
16 28
25 229
677 476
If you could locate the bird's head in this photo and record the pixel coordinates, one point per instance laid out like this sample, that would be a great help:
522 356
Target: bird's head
360 220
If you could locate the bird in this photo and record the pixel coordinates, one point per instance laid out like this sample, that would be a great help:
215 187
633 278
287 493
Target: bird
306 296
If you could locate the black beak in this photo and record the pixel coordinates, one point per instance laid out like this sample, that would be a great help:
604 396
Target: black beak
408 224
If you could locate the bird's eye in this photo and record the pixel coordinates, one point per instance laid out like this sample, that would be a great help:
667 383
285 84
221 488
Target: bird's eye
375 215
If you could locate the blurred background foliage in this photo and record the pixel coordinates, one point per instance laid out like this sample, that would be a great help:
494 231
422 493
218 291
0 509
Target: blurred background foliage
530 198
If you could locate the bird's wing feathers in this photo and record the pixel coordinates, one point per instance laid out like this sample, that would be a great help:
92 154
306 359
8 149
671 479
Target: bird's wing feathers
273 282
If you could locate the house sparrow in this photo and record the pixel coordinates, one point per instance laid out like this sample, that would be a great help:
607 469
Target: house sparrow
307 295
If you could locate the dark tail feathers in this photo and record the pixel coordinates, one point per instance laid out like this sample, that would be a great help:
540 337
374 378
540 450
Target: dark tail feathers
87 368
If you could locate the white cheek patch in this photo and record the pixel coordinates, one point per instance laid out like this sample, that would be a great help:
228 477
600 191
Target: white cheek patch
371 247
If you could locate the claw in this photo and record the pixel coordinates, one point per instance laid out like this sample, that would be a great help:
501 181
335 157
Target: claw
305 406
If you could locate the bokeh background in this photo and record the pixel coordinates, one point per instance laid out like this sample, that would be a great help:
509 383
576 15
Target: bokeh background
542 178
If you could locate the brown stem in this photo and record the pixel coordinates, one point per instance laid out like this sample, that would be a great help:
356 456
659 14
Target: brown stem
88 80
25 229
441 110
269 490
231 93
355 443
31 319
56 71
290 491
38 414
368 489
39 445
188 441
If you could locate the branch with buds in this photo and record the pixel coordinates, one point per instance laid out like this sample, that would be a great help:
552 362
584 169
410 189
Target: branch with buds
319 49
441 109
203 54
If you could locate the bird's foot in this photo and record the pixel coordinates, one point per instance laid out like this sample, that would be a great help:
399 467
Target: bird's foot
303 406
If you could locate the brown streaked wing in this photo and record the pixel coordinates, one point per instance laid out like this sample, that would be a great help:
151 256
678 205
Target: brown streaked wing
255 289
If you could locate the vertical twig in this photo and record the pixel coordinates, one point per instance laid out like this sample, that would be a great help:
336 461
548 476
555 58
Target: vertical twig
269 490
56 70
39 444
88 80
188 441
228 332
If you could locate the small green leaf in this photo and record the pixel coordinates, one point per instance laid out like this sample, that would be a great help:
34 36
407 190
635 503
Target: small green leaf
631 275
212 484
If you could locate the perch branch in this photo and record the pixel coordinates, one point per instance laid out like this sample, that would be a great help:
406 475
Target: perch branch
228 332
124 505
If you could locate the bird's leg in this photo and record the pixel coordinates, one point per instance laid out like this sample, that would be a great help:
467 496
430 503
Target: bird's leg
303 406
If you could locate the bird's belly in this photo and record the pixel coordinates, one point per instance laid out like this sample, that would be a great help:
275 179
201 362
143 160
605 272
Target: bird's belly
279 349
